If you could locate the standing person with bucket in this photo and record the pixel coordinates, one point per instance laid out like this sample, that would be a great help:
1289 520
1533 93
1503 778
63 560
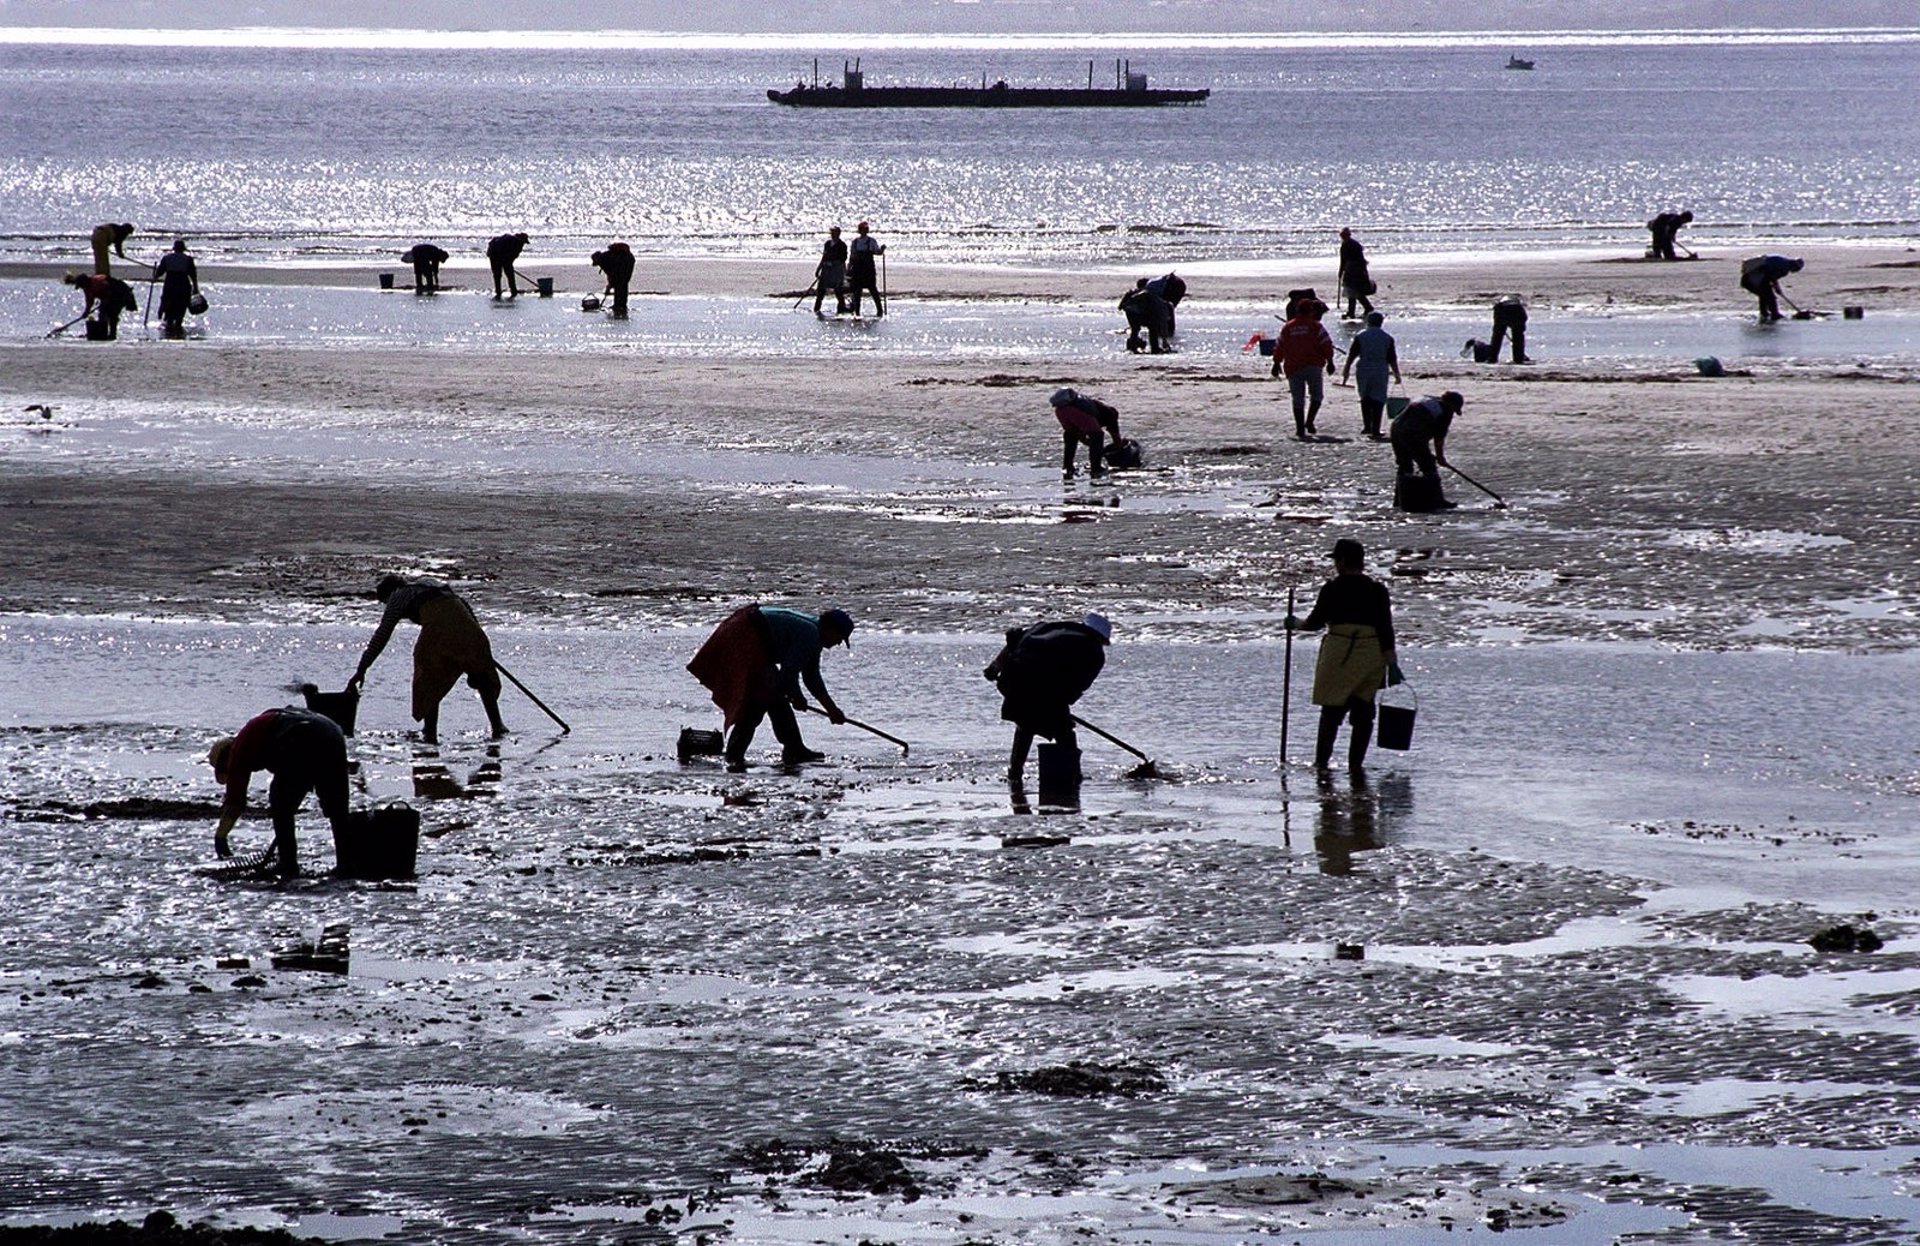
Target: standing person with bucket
862 272
502 253
451 644
305 752
1041 672
1373 351
181 282
1356 656
755 663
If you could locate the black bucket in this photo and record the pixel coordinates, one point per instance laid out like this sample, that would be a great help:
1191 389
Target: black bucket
340 706
99 331
1395 722
379 843
1060 775
386 281
544 285
1419 493
696 743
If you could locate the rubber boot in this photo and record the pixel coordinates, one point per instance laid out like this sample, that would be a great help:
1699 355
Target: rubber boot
1330 716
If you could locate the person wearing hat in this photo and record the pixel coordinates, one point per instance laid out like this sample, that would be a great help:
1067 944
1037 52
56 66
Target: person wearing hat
1373 355
617 263
1419 437
861 274
108 241
182 281
304 752
1084 419
1304 353
1760 276
1356 656
755 664
831 274
502 253
1353 280
111 295
1041 671
451 644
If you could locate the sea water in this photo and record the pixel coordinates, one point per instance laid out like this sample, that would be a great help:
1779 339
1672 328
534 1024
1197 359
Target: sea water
350 152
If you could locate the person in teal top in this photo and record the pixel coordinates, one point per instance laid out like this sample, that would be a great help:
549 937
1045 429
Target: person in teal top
760 663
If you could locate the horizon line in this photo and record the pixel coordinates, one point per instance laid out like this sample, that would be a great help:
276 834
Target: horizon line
414 38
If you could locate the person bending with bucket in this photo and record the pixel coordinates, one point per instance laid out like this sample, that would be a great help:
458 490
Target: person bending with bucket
1419 437
1084 419
617 263
426 259
755 663
503 253
1760 276
1355 657
451 644
1041 672
304 752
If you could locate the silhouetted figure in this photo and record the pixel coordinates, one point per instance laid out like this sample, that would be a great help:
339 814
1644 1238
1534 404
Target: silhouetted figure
1355 656
1356 285
1372 359
617 263
304 752
1419 436
426 260
1041 672
1304 353
107 298
1664 228
502 253
831 274
1760 277
755 664
451 644
109 240
1084 420
180 279
861 271
1509 316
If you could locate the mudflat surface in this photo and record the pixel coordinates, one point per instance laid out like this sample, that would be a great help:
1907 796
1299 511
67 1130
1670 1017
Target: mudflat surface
1549 970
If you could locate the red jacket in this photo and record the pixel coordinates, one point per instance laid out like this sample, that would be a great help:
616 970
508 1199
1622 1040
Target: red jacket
1304 343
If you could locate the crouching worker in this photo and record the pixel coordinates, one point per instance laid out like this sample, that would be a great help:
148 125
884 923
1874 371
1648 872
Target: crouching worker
1088 420
1041 672
451 644
1419 438
305 752
754 665
1356 655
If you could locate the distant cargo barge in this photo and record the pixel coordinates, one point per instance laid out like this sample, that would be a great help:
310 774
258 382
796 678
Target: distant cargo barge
1131 91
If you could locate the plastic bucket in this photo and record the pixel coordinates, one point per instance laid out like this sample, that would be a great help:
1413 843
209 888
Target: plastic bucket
697 743
386 281
1395 722
544 285
340 706
1396 404
379 843
99 331
1060 775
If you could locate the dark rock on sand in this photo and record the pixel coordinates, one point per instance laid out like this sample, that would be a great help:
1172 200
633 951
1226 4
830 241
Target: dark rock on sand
1845 938
1082 1079
160 1228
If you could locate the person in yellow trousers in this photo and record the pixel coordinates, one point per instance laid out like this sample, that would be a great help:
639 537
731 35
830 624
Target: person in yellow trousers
451 644
1355 657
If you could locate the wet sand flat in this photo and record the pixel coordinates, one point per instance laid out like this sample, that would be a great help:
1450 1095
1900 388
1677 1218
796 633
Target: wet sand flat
1548 970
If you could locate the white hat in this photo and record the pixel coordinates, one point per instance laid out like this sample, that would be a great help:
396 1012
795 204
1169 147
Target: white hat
1098 623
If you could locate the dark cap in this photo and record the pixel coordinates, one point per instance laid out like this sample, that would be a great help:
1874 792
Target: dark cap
389 585
1452 401
840 621
1348 552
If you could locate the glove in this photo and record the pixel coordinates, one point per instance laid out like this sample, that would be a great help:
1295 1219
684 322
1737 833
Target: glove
1291 622
221 848
1393 674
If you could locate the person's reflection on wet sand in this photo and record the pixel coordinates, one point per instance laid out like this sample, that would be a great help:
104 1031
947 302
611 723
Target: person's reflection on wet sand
1356 820
434 780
